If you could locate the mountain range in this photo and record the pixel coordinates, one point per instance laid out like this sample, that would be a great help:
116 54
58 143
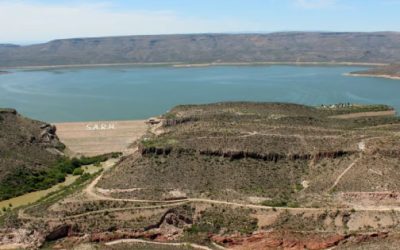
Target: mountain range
324 47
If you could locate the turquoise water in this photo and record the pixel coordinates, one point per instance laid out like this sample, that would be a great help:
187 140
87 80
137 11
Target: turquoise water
115 93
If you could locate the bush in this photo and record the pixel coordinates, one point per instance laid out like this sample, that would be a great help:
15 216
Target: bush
24 181
275 203
78 171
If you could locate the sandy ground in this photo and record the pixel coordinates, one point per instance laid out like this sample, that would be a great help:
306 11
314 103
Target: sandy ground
94 138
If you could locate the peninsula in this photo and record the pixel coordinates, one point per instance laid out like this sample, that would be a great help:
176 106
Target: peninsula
388 71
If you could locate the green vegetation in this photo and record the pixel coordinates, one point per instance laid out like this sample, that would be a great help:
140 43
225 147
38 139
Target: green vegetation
78 171
280 202
10 218
23 181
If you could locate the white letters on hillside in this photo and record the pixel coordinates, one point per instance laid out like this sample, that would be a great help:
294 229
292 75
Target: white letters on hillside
100 126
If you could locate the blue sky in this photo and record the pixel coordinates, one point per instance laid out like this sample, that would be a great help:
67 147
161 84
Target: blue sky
42 20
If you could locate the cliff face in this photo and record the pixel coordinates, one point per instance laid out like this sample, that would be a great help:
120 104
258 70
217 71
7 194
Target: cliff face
26 147
206 48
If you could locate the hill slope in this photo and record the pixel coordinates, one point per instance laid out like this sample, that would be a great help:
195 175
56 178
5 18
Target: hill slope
278 152
242 175
381 47
27 147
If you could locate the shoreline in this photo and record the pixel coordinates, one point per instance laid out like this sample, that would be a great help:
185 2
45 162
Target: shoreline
372 75
278 63
193 65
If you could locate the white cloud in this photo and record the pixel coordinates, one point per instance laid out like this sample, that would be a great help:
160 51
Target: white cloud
21 21
315 4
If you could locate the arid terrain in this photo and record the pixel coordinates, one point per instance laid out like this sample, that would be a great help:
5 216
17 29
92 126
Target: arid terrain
233 176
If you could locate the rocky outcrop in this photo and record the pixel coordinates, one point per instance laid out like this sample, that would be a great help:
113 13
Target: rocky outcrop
177 121
58 232
21 238
118 235
48 134
236 155
289 240
154 150
173 218
169 227
8 111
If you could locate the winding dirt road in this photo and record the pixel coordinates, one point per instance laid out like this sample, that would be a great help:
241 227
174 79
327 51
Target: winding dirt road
184 244
90 191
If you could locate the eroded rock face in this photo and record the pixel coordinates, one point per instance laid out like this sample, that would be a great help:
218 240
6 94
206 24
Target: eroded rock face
8 111
58 232
293 241
48 134
110 236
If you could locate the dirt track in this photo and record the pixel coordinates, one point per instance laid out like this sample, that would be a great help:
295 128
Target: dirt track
90 192
196 246
365 114
94 138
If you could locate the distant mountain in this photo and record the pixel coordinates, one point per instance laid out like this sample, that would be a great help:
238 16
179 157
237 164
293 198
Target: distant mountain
380 47
9 46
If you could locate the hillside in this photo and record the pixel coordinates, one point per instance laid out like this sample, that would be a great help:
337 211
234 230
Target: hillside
240 175
390 71
381 47
27 148
277 152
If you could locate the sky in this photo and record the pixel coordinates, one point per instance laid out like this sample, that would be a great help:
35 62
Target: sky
32 21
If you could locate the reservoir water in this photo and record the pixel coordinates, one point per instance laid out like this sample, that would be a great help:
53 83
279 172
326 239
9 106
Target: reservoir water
126 93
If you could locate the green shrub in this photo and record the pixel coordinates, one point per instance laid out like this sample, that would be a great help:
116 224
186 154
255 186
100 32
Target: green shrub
275 203
24 181
78 171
